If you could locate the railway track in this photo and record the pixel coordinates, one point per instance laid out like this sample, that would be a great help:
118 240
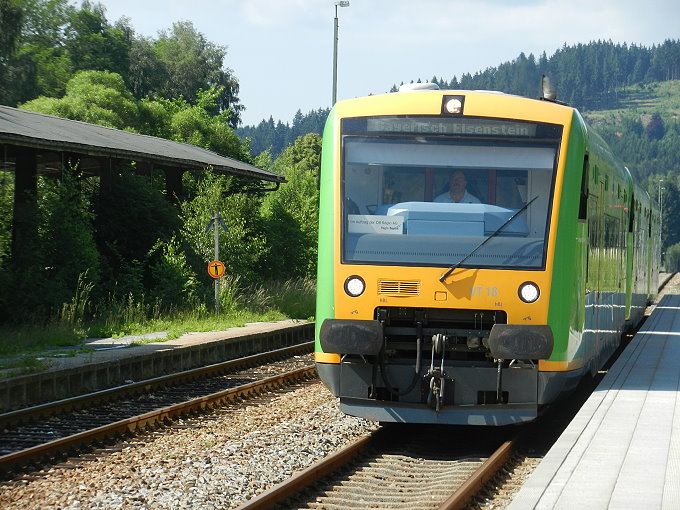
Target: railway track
408 473
30 437
396 467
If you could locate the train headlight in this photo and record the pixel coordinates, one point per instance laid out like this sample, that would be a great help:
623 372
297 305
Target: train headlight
355 286
453 105
529 292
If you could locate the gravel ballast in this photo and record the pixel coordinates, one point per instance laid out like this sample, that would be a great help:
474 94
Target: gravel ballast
209 462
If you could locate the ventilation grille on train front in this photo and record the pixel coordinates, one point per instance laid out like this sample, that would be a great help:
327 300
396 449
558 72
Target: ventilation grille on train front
399 288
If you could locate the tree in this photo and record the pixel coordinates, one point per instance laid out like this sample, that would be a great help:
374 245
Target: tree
97 97
670 234
655 129
292 211
244 246
42 44
275 137
672 258
193 64
174 283
11 18
92 44
196 124
67 238
130 217
147 74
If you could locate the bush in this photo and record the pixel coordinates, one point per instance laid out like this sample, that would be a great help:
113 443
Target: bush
672 259
67 237
243 246
173 281
291 213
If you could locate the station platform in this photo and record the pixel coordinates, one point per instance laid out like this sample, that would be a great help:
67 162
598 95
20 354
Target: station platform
622 449
110 362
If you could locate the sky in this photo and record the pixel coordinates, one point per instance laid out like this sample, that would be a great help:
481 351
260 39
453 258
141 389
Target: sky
281 51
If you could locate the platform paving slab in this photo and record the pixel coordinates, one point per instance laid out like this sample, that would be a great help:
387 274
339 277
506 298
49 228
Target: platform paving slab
622 449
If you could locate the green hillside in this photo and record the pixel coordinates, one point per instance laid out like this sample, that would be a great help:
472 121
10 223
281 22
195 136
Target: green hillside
641 101
643 129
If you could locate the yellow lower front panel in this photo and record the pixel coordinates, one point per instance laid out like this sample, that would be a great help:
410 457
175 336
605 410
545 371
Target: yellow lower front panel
559 366
322 357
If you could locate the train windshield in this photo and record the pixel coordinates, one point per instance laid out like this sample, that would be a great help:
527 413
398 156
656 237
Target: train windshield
427 191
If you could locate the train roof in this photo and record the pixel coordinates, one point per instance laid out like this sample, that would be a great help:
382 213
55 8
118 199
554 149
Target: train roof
424 100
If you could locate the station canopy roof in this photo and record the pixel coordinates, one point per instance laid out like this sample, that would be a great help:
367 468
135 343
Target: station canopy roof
53 135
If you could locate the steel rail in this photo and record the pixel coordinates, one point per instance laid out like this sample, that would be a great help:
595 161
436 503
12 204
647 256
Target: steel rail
30 413
308 476
318 470
23 457
475 483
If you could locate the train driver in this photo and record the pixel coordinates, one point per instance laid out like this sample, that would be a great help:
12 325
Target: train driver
457 191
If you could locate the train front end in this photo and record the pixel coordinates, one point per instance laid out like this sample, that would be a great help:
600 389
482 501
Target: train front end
431 310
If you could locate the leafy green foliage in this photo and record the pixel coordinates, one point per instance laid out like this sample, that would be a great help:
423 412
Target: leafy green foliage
672 258
10 27
174 283
130 218
65 251
112 250
244 245
97 97
6 213
101 97
6 217
11 19
644 132
67 240
147 71
43 43
92 44
195 124
670 204
192 63
291 212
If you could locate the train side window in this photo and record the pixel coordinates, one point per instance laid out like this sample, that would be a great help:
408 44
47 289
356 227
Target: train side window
631 214
583 204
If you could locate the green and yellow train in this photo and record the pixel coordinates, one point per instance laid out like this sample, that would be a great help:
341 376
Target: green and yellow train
479 253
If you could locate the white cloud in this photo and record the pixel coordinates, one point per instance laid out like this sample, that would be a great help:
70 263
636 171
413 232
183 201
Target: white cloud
278 13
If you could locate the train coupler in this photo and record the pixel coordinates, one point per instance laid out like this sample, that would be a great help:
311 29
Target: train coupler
499 381
436 375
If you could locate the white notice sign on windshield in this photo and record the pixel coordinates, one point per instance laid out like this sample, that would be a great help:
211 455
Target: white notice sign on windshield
374 224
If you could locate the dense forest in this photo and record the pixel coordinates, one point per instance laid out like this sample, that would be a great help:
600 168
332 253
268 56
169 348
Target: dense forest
588 76
133 249
276 136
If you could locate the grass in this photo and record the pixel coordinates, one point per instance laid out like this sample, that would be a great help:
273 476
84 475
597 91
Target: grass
24 365
641 101
30 338
64 335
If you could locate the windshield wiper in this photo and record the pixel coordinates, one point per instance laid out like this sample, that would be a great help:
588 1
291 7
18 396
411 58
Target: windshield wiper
456 266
